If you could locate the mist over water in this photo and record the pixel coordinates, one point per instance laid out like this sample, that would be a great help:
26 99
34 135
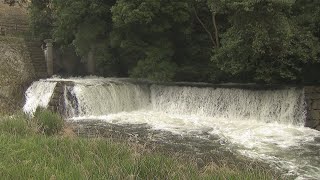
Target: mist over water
266 125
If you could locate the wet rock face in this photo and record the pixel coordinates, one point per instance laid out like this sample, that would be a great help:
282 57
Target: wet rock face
312 95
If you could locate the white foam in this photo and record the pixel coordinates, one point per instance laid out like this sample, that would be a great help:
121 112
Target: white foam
108 98
287 147
38 95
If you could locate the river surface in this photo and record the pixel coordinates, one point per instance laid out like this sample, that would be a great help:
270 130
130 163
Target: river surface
291 150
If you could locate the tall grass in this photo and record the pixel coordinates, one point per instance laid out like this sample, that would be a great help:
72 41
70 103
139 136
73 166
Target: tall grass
49 122
27 154
17 126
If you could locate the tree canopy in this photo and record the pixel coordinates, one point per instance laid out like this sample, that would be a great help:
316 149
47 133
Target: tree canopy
268 41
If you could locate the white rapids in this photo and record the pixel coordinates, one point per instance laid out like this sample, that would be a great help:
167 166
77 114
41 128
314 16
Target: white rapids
266 125
38 95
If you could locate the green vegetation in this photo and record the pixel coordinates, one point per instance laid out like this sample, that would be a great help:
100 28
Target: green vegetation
49 122
267 41
27 154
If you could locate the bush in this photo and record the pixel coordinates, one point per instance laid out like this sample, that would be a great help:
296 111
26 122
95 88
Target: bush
49 122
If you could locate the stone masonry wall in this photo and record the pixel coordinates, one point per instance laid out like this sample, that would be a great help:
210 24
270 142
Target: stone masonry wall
16 72
21 57
312 96
13 20
57 99
57 102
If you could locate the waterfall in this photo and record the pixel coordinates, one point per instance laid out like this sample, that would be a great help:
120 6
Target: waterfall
107 98
38 95
103 97
267 125
281 106
284 106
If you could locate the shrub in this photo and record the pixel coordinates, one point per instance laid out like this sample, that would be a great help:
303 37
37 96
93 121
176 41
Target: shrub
49 122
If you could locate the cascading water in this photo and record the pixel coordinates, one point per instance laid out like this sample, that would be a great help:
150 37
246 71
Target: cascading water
38 95
109 98
282 106
265 125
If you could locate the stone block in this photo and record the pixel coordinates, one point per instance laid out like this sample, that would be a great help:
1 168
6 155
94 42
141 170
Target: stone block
318 128
313 96
312 123
316 105
309 89
309 104
315 114
316 89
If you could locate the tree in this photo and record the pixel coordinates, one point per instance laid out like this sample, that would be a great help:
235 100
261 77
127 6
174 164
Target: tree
41 18
149 33
85 25
187 40
164 40
264 43
307 15
210 10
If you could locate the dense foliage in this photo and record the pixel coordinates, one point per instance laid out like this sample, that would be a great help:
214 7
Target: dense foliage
188 40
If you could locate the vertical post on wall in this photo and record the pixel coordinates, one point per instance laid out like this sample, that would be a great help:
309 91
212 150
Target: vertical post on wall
91 62
49 56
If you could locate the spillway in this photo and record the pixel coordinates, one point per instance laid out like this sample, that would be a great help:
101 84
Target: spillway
265 125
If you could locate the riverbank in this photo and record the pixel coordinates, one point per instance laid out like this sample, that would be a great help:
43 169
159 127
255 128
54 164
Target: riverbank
26 153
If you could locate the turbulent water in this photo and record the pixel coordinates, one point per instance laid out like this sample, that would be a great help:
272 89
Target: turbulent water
266 125
38 95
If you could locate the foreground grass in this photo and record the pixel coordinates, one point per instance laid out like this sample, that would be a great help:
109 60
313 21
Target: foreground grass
26 154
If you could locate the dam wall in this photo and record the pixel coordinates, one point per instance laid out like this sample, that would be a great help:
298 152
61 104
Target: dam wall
309 95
